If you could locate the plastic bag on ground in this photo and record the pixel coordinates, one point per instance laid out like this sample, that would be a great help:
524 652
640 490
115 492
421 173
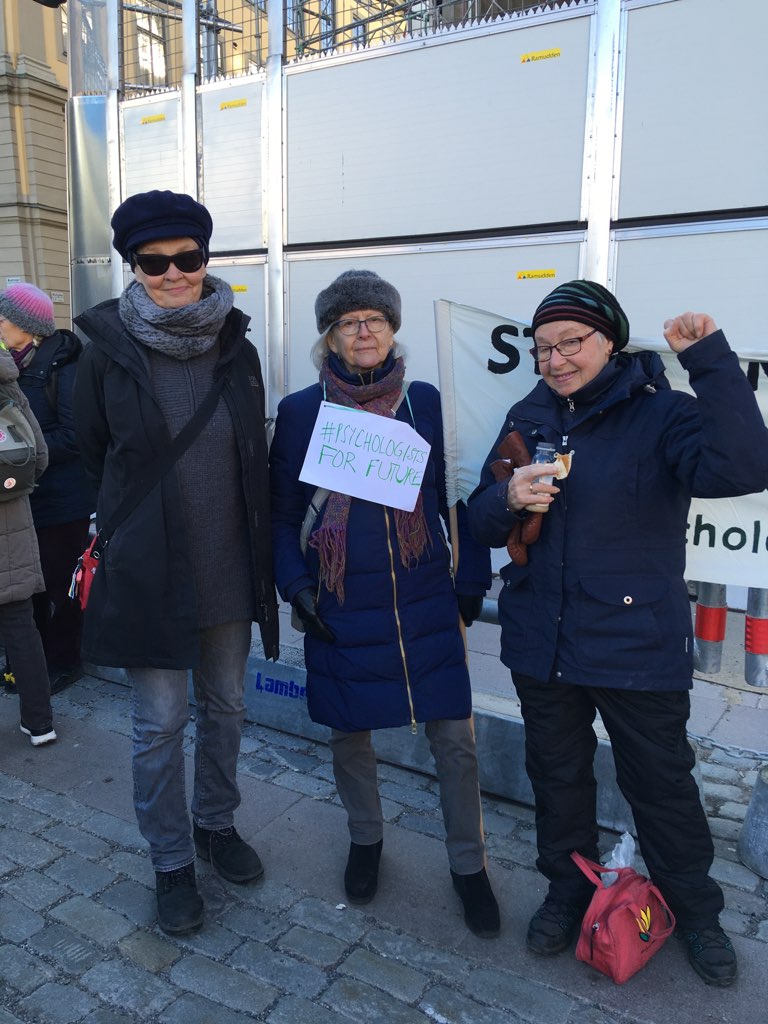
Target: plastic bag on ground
621 856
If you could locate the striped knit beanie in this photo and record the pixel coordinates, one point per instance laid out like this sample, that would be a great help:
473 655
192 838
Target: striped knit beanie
588 303
27 307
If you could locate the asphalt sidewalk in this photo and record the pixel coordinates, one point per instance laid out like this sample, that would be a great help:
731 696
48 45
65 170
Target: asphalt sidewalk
78 942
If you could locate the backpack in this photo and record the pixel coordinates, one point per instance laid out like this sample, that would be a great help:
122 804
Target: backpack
626 923
18 451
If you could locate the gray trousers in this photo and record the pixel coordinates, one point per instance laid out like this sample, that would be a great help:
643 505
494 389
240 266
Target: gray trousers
452 743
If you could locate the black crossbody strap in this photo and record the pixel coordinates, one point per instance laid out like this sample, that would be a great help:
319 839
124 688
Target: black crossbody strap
157 470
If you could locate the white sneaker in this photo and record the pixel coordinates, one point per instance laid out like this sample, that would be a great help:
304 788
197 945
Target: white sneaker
38 739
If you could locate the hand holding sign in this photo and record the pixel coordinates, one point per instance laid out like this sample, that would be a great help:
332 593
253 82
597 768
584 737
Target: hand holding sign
366 456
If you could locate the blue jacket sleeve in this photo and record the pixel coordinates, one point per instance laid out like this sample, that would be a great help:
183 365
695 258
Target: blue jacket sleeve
289 498
718 444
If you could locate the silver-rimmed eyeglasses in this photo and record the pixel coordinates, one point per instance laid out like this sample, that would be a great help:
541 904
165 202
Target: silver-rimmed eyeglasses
566 347
375 324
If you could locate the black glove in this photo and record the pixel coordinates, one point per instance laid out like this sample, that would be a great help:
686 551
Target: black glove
305 604
470 606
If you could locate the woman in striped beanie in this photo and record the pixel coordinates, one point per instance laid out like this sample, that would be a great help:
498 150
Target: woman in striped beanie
597 619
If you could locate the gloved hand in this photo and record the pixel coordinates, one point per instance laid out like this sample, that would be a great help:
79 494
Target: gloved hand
305 604
470 606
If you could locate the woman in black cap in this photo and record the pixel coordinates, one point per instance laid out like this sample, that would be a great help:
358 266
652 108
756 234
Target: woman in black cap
595 615
186 565
372 587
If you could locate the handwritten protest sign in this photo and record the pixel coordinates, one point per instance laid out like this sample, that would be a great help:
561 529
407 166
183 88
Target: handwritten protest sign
365 455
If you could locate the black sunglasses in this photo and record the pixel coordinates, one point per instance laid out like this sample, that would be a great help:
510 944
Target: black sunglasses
155 265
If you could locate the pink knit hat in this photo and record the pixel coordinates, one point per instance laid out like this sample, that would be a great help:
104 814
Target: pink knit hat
28 308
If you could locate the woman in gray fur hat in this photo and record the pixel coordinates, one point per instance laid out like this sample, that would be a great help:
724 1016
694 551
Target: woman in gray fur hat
371 586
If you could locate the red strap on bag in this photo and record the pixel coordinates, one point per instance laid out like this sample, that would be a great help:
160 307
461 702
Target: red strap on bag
85 570
626 923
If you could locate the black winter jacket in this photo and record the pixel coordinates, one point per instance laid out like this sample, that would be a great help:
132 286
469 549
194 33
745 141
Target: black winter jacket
141 610
63 494
602 601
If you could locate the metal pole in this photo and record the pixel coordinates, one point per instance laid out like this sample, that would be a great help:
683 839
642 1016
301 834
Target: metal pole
276 348
709 631
114 188
756 637
188 140
598 179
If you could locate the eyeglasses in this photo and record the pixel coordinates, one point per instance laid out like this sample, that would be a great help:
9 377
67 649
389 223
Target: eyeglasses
567 347
155 265
350 327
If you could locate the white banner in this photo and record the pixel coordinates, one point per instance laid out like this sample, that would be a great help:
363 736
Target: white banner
368 456
485 367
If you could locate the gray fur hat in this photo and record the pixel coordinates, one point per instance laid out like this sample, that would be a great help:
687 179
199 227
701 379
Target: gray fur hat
357 289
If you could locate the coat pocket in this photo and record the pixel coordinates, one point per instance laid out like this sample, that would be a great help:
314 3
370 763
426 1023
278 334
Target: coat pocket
621 622
515 605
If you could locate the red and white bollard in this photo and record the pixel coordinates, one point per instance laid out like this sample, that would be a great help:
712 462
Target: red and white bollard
756 637
709 629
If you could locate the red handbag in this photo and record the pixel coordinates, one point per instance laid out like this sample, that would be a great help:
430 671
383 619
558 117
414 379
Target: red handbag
85 570
626 923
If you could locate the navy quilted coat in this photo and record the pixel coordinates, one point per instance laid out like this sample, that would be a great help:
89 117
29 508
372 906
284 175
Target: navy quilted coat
398 655
602 601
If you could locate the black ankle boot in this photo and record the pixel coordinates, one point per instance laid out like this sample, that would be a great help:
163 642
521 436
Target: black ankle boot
481 911
229 853
179 906
361 877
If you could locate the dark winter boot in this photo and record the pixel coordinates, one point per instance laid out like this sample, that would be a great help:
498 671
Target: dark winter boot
179 906
230 855
361 876
481 911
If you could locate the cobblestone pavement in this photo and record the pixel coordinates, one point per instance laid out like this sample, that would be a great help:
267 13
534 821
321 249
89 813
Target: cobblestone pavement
79 943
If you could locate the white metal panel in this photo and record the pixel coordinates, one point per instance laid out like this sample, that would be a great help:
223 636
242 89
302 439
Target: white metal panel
483 277
458 134
246 277
151 144
718 272
232 181
695 124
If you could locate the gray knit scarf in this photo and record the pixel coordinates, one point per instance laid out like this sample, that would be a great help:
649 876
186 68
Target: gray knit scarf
180 333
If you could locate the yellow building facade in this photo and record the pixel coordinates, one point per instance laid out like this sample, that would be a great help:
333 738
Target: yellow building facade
33 180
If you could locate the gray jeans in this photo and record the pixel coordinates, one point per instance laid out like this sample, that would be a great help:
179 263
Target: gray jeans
452 743
160 715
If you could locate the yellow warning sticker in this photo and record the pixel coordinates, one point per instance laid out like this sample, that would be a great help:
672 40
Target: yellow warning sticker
231 104
534 275
529 58
239 287
153 119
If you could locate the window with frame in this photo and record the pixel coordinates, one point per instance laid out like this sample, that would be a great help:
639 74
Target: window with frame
151 49
359 32
326 19
63 31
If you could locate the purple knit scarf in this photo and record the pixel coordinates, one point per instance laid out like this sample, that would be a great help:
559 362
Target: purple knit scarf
330 540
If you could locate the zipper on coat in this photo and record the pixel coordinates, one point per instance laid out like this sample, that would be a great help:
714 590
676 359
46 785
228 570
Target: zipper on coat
414 728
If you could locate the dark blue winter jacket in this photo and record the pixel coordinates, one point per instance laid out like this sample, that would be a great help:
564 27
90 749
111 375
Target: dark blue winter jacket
398 655
62 494
602 600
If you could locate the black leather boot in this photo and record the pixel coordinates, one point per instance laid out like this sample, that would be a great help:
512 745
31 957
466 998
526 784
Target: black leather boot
229 853
481 911
361 876
179 905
